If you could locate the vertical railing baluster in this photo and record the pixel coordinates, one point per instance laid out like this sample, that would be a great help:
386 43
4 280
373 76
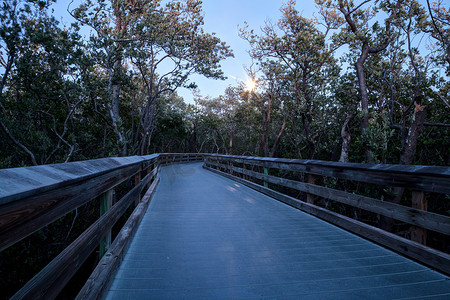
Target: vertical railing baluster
150 168
137 179
266 172
105 205
419 201
310 197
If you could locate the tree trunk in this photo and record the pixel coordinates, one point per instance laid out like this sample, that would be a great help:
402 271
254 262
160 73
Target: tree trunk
193 140
147 124
346 138
415 130
265 139
363 86
407 156
230 152
364 98
277 141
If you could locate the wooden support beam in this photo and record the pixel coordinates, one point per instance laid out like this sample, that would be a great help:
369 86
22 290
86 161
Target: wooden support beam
419 201
22 218
266 172
417 217
105 205
48 283
137 179
149 170
310 198
425 178
101 277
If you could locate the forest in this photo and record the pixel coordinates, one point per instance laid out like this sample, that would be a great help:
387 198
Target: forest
363 81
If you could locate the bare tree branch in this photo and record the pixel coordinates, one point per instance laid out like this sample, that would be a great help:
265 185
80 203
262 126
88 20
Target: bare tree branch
17 143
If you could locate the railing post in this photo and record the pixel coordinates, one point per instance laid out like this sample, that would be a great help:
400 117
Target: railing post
310 197
266 172
419 201
105 205
137 179
150 168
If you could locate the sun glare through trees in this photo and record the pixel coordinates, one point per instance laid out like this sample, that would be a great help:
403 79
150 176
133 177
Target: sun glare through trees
250 85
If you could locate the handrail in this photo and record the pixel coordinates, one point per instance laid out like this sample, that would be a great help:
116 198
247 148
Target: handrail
33 197
419 179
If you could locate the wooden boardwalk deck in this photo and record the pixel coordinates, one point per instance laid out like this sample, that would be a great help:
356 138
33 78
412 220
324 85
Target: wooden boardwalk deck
207 237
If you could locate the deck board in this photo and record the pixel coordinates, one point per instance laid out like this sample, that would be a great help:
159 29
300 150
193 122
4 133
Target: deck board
207 237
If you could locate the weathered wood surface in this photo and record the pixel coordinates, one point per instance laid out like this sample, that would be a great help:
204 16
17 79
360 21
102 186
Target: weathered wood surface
413 216
426 255
105 204
49 192
19 183
33 197
99 281
49 281
424 178
21 218
419 201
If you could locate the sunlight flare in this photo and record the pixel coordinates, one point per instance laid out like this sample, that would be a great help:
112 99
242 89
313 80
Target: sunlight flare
250 85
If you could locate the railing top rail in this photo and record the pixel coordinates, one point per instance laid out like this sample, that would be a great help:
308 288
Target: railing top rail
441 171
18 183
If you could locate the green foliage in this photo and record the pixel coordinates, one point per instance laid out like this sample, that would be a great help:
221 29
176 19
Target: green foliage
64 97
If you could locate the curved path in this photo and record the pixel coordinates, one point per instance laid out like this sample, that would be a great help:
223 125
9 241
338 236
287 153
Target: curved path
208 237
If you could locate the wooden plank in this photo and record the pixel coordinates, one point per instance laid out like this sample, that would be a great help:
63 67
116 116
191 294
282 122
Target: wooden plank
266 172
50 281
137 179
424 178
100 279
105 205
411 249
309 196
413 216
21 218
20 183
419 202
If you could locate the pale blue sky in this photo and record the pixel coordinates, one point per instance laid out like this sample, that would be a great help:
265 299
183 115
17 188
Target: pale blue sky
223 17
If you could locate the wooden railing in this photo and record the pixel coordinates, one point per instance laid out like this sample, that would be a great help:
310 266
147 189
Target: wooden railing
316 184
33 197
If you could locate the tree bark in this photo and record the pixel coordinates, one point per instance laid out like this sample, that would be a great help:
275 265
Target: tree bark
277 141
230 152
414 132
363 86
346 138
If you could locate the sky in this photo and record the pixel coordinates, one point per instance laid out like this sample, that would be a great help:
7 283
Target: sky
223 17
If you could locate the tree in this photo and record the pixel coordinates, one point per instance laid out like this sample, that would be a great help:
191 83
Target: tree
301 48
439 27
38 57
165 44
268 93
370 40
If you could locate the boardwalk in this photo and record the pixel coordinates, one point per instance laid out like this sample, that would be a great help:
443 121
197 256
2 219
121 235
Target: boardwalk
207 237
